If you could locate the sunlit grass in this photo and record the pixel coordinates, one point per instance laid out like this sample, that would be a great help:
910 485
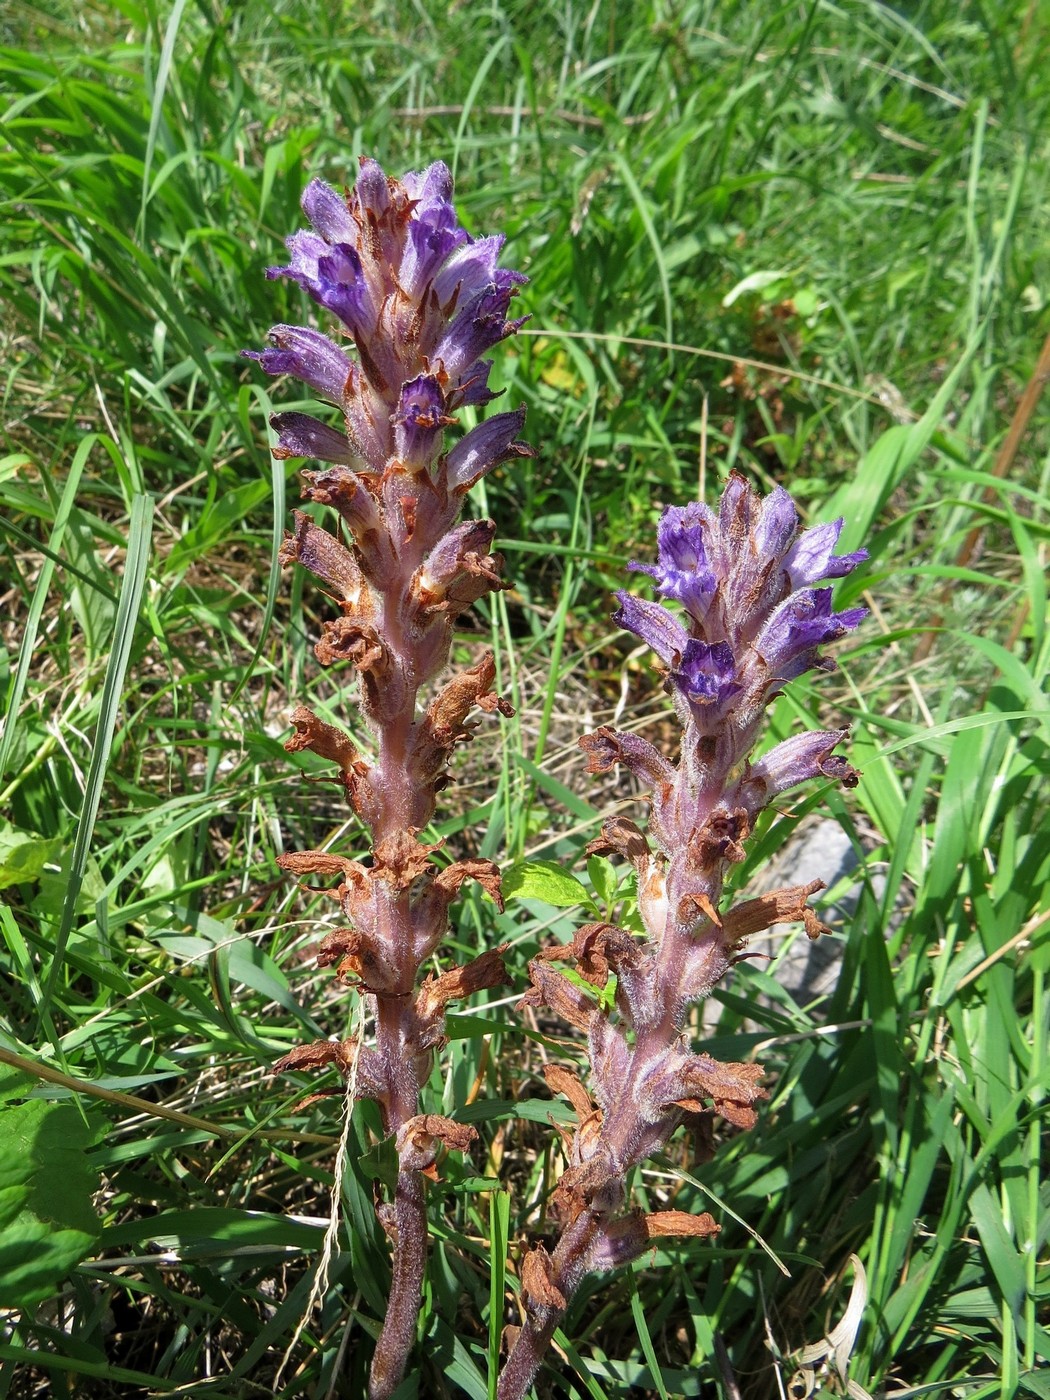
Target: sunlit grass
806 243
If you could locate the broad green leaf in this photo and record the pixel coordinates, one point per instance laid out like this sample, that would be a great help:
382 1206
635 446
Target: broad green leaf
546 880
23 855
47 1221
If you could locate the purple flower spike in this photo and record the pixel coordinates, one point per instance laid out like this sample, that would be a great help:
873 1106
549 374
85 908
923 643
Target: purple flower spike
741 575
419 301
742 621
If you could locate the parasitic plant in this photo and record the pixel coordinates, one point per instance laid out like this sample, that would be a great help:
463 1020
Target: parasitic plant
747 620
419 302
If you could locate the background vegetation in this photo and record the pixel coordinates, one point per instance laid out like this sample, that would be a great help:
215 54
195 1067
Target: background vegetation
806 240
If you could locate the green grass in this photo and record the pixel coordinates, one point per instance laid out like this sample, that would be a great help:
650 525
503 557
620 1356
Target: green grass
805 241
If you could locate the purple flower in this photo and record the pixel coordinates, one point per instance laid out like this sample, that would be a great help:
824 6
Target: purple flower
484 447
741 575
299 435
309 356
654 624
706 675
683 572
811 559
795 760
420 301
790 641
420 420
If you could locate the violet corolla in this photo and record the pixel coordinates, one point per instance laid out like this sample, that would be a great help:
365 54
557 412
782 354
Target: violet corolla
420 302
747 619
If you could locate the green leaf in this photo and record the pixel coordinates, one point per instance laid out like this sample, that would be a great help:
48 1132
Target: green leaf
47 1221
546 880
603 880
499 1227
131 589
23 855
217 524
217 1229
380 1163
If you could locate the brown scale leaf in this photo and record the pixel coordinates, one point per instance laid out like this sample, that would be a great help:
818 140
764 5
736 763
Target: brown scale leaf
419 1138
813 925
320 863
323 739
443 725
550 988
631 1235
342 488
783 906
401 860
409 506
355 956
460 982
731 1087
679 1223
595 1184
353 639
332 744
316 1056
602 749
721 837
621 837
352 1060
328 560
539 1292
482 573
603 948
562 1081
485 872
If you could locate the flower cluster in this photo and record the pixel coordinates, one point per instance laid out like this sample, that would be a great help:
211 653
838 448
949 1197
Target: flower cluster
420 302
750 620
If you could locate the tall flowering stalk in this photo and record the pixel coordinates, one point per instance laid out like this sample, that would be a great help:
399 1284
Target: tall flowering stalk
747 621
420 302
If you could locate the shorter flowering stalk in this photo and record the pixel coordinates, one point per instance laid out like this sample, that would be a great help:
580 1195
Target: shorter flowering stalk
420 301
749 621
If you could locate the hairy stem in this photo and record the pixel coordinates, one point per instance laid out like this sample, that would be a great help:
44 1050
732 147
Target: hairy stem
524 1361
406 1288
568 1267
396 1034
